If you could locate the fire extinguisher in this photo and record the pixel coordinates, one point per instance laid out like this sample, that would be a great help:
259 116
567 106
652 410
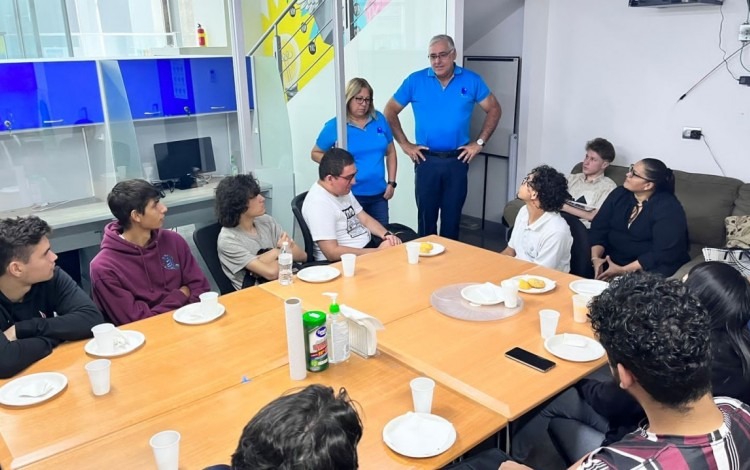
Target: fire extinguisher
201 36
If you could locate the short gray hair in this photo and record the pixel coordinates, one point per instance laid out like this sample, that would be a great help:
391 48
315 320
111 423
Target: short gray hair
442 38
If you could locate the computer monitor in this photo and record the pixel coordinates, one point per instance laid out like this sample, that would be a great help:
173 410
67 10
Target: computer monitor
182 159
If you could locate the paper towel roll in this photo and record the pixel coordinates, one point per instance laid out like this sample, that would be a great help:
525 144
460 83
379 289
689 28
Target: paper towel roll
295 338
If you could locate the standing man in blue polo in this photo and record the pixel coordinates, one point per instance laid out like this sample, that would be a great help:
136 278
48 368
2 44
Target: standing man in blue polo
442 97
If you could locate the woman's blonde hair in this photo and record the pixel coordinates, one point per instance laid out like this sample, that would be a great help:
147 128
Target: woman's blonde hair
353 88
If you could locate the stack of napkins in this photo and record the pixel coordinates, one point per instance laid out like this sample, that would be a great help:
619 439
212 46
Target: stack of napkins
36 389
490 292
363 338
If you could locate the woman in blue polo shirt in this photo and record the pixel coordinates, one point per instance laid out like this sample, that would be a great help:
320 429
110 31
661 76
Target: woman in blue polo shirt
370 140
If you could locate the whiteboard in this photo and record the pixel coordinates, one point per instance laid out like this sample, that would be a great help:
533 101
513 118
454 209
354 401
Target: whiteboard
501 76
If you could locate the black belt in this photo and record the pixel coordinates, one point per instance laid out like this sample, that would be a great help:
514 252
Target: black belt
444 154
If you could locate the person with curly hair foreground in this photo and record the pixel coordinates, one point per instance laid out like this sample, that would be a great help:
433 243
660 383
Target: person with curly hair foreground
657 336
250 240
540 234
310 429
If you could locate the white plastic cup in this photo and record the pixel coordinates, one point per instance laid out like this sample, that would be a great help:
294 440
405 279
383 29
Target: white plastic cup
98 371
104 335
422 389
348 262
581 308
166 447
510 292
412 252
548 321
209 303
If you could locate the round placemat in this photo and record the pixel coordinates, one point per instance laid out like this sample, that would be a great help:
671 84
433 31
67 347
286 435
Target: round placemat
448 301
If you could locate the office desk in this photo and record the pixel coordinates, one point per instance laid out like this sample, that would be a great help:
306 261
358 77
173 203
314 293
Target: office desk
211 427
177 365
469 356
386 286
76 226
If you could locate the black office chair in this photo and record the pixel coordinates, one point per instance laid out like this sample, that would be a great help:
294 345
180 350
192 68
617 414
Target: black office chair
297 202
580 252
205 240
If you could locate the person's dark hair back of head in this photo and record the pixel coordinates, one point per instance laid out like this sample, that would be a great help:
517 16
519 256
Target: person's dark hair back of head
551 187
725 293
333 162
312 429
18 237
232 195
659 174
128 196
658 331
603 147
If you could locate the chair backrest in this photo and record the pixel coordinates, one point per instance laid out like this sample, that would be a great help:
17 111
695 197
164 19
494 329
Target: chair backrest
205 240
297 202
580 252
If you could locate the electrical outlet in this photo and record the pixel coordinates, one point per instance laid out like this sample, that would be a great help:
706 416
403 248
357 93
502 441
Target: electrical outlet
694 133
744 35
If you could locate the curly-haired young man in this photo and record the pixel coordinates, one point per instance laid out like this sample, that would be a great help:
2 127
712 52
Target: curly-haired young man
540 234
250 240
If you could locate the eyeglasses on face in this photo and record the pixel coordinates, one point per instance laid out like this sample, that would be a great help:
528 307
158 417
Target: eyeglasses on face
362 100
631 171
348 177
440 55
526 180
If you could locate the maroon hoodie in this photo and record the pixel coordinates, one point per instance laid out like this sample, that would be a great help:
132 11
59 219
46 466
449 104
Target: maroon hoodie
130 282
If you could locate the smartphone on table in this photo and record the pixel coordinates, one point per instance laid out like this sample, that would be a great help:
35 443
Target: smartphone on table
530 359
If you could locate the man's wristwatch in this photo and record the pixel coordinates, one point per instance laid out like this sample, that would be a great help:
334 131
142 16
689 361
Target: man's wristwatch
393 183
481 142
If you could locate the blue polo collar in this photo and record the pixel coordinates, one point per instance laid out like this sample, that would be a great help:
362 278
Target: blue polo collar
456 70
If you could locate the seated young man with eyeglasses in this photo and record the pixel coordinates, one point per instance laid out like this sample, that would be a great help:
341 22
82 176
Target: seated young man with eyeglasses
337 223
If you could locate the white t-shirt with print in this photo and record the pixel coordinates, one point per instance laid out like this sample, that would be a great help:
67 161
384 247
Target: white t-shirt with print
332 217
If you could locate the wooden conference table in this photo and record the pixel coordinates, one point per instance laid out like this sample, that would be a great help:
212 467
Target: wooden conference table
189 378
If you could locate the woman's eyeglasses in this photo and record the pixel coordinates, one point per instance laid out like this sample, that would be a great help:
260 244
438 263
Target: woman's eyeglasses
362 100
631 171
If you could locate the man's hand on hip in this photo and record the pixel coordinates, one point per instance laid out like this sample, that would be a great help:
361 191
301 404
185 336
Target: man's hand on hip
414 151
469 151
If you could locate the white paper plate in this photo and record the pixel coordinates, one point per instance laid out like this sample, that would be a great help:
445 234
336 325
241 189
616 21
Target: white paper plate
591 352
419 435
549 284
437 248
191 314
9 392
318 274
590 287
477 294
135 340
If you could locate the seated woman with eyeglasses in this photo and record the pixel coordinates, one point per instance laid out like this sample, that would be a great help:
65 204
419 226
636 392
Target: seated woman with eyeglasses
369 139
641 225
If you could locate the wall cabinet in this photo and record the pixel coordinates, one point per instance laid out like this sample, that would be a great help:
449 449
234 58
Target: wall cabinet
159 88
35 95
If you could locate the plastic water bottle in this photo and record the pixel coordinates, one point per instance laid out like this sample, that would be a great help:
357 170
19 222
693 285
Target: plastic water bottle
233 170
338 332
285 265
